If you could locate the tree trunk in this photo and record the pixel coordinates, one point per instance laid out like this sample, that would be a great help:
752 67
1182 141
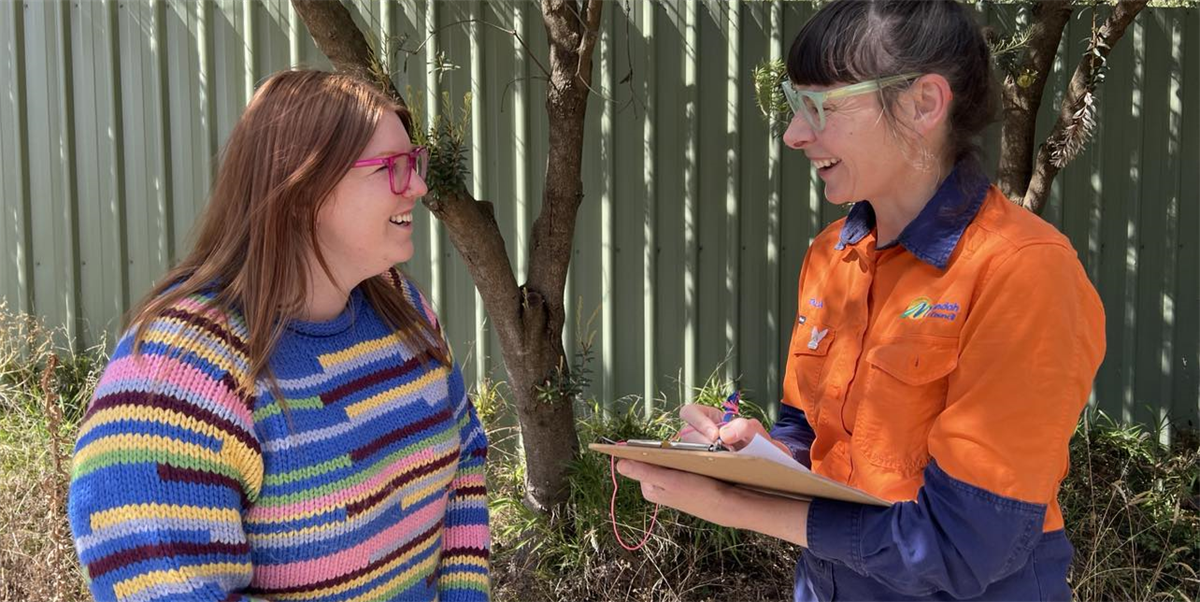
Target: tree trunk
528 319
1021 95
335 33
1022 176
1045 168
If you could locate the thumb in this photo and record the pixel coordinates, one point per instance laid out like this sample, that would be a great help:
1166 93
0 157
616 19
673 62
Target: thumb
740 432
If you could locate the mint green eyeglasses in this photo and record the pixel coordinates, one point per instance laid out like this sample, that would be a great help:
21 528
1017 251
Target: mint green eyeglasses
812 104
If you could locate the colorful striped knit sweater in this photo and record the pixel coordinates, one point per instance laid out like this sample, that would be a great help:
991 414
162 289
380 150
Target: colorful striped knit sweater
369 487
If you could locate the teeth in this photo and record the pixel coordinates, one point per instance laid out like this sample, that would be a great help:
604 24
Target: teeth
403 218
823 163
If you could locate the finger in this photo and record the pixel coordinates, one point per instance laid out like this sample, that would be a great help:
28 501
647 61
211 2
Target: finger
641 471
630 468
691 435
650 492
649 475
702 418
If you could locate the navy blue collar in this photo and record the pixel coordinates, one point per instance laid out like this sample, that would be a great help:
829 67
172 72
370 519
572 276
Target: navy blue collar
934 233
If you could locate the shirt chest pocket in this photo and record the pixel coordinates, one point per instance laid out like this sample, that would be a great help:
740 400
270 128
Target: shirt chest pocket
810 363
905 391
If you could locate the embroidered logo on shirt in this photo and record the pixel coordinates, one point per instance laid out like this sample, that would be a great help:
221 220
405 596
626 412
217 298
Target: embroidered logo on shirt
814 340
923 307
818 303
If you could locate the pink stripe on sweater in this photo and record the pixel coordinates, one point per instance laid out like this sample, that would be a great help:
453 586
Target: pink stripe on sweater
292 574
338 498
168 375
205 310
466 536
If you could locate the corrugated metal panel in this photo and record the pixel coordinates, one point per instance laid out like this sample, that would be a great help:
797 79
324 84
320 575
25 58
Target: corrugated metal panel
695 221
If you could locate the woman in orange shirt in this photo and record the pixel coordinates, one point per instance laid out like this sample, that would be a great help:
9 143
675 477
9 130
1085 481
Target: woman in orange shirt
946 339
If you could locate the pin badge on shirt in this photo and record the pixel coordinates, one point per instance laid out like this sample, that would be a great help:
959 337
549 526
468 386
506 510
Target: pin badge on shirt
801 320
814 340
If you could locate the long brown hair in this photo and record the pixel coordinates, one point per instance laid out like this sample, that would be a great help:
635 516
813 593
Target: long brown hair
295 141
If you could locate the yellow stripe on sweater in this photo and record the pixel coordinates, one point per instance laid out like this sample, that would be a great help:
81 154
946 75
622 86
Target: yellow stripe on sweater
428 490
129 587
425 568
330 360
467 560
404 390
161 415
147 443
206 347
120 514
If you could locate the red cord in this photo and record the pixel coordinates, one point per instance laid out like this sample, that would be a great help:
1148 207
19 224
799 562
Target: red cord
612 510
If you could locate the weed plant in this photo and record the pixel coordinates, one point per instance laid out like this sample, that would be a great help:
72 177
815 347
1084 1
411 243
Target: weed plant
44 388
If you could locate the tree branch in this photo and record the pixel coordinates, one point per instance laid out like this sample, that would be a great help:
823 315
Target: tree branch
1021 95
338 37
1082 84
511 32
473 229
594 11
587 42
566 105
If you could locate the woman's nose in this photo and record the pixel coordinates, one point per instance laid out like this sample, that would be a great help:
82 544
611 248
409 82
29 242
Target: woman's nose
798 133
417 187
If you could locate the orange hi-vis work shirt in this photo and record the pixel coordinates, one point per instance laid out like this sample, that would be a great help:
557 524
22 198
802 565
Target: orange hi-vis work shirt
971 354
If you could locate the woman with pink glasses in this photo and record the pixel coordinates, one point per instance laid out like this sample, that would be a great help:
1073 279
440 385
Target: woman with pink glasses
283 418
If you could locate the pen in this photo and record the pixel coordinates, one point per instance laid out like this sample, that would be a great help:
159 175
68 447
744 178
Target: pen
732 408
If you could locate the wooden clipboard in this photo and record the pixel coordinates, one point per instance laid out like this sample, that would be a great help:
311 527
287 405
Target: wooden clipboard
753 473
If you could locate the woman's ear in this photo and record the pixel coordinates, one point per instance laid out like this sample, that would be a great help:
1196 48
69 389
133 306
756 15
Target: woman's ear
929 102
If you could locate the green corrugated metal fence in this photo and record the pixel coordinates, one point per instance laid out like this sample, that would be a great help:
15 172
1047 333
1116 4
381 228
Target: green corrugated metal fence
695 221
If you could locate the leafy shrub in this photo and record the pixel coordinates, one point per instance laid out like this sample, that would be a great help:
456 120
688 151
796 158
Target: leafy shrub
1132 510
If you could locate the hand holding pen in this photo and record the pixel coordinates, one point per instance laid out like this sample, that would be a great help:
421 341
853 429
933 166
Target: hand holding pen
724 425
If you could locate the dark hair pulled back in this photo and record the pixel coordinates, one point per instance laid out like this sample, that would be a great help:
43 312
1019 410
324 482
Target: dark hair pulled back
850 41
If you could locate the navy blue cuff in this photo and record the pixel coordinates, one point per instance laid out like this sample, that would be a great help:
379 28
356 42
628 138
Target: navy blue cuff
835 532
956 537
792 429
799 453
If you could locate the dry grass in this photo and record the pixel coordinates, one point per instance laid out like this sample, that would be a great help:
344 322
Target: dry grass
1132 509
41 398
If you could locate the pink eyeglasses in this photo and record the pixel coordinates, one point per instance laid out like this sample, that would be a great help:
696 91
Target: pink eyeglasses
417 160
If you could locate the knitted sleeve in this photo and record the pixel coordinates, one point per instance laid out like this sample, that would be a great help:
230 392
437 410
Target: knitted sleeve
165 464
463 572
464 565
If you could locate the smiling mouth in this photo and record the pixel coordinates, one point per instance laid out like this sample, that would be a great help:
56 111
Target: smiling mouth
825 163
402 219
